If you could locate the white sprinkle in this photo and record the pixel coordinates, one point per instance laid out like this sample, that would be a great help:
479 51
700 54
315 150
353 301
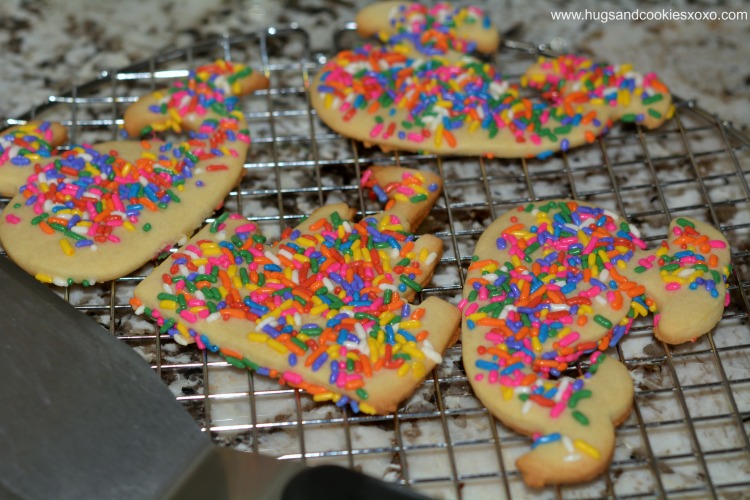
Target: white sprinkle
430 352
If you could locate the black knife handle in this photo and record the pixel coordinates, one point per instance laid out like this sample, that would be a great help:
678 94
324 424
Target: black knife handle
330 482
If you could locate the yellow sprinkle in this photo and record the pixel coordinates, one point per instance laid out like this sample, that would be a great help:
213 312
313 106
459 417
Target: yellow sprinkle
536 346
639 309
386 317
44 278
409 324
477 316
257 337
168 304
373 345
277 346
586 448
67 248
507 393
403 369
411 349
438 135
325 396
418 370
365 408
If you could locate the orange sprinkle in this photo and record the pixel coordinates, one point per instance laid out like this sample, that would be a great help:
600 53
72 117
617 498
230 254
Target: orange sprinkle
46 227
230 352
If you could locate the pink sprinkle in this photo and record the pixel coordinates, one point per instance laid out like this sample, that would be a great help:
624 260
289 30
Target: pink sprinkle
569 339
188 316
415 137
717 244
657 318
479 377
673 286
366 177
493 377
199 343
557 409
294 378
495 338
376 130
470 310
13 219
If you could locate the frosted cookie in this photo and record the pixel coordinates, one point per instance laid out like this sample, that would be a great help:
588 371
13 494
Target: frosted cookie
550 286
381 96
210 92
439 30
96 213
326 309
24 146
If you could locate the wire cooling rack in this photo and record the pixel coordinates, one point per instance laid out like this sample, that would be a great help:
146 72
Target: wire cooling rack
686 436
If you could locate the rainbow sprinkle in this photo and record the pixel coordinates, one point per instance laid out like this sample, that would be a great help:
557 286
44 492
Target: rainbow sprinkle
435 104
433 30
26 144
212 88
331 297
561 293
86 197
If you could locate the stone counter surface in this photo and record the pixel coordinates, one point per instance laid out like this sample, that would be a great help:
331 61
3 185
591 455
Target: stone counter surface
50 45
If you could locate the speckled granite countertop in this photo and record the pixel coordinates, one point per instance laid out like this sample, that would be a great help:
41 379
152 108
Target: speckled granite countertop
50 45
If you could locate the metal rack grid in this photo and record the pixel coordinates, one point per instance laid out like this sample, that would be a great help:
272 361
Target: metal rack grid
687 435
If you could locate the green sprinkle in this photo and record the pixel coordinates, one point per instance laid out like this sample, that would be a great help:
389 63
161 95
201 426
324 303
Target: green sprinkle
580 417
670 267
237 363
629 117
652 99
218 222
147 227
655 113
250 365
577 396
603 321
312 331
361 393
39 218
684 222
336 219
418 198
387 295
640 269
410 283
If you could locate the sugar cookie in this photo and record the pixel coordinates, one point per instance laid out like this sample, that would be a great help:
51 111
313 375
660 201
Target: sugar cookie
440 30
387 97
98 212
22 147
326 309
550 286
210 92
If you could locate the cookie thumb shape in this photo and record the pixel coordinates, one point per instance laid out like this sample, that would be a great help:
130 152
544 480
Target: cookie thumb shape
563 452
686 278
